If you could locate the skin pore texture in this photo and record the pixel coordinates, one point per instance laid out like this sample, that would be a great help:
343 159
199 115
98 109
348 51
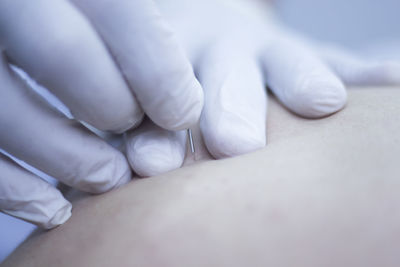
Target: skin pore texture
322 193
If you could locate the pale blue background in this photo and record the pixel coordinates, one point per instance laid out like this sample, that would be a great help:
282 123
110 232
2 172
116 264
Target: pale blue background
354 23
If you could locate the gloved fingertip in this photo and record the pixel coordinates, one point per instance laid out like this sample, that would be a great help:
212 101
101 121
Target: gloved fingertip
233 137
183 111
104 176
232 146
325 98
125 178
149 156
317 98
129 123
60 217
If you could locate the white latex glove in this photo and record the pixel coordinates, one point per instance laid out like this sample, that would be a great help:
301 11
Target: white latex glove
237 48
109 61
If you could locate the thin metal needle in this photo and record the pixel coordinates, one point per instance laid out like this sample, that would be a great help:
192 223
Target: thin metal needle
191 142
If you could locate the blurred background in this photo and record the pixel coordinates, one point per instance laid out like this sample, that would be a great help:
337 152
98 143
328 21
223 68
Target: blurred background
356 24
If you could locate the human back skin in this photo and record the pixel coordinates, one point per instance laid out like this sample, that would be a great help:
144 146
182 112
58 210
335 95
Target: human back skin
322 193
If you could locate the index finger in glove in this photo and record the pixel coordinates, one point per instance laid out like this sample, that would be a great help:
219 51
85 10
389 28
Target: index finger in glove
150 57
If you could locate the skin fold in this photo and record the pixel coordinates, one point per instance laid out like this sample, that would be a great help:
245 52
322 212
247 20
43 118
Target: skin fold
323 193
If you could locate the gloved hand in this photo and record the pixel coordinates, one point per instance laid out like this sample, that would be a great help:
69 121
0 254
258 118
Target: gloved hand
110 62
237 48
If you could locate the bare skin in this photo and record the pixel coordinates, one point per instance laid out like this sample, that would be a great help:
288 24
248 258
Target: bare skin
323 193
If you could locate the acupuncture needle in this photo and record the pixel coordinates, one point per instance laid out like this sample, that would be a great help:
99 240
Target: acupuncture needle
191 142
